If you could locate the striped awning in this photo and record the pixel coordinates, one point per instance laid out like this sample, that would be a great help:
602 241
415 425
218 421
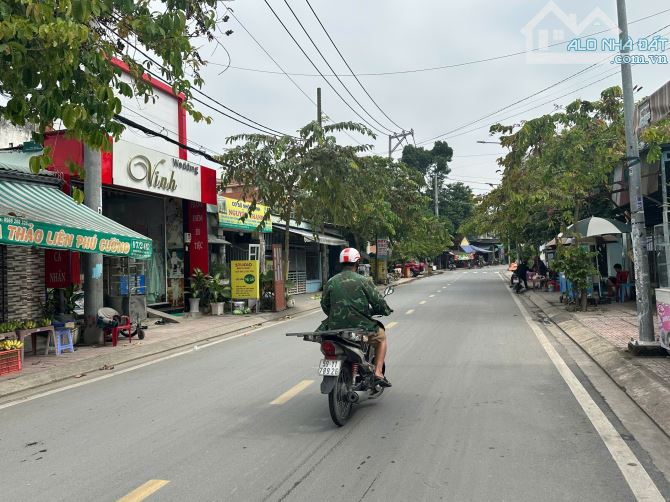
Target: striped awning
34 214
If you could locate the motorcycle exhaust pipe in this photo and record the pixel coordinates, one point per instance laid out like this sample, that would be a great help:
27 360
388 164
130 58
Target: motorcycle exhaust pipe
352 397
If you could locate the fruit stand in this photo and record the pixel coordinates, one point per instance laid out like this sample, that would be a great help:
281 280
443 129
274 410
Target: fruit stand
10 348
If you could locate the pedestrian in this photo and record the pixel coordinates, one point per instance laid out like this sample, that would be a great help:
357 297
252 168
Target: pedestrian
521 274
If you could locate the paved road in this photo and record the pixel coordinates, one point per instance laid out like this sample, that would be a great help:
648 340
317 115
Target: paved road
478 411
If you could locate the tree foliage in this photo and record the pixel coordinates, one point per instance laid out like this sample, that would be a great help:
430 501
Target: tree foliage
298 178
55 59
457 202
557 171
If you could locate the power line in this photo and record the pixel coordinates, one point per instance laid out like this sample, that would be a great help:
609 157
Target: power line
569 77
331 69
449 66
146 130
349 67
265 129
280 67
317 69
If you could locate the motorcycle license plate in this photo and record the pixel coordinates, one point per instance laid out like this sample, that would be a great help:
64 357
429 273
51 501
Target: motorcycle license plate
330 367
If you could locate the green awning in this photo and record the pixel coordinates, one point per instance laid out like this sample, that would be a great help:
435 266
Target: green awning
33 214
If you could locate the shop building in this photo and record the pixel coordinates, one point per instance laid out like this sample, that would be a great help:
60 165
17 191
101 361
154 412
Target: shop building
39 226
150 186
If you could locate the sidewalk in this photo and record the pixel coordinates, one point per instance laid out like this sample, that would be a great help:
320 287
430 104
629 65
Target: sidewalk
42 370
603 332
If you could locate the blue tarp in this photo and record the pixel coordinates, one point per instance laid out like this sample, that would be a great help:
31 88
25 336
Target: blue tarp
475 249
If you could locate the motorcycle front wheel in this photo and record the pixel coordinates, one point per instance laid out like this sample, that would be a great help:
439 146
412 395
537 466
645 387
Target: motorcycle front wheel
338 398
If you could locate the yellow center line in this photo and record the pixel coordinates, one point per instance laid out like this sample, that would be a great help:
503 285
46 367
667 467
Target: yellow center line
391 324
144 491
422 302
410 311
292 392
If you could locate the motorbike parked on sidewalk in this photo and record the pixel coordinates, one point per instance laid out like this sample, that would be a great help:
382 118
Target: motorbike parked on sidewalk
348 367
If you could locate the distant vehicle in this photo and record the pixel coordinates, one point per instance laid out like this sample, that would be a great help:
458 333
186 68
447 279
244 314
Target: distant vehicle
416 268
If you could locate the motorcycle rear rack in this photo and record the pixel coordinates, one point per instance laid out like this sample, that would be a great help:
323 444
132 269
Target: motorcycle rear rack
348 335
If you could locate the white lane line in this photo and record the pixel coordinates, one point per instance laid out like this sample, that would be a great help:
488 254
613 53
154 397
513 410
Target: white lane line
635 474
431 296
144 491
148 363
391 324
422 302
409 312
292 392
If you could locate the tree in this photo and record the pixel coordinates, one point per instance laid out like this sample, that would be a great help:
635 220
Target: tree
556 171
298 178
431 164
55 60
457 203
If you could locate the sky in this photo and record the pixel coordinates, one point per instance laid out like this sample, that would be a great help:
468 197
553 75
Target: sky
382 36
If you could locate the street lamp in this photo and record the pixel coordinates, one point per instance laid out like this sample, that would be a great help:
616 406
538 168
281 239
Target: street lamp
488 142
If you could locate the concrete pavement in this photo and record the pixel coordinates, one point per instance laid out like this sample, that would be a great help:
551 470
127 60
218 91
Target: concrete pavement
478 411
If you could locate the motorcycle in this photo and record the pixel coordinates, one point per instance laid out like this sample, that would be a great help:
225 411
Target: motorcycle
348 367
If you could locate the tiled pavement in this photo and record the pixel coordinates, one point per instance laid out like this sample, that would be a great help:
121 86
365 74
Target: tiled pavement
616 322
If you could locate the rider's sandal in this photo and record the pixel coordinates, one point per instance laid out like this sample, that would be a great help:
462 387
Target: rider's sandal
382 381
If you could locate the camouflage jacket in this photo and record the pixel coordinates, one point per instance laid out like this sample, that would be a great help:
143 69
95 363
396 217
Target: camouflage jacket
350 300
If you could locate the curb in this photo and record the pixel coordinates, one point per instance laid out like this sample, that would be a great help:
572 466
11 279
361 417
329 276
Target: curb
646 389
21 383
95 364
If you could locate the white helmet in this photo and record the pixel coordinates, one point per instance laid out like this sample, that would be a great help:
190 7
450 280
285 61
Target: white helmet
350 255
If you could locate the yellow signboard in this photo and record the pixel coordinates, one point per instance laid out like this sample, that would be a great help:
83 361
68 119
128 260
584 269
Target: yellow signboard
232 211
244 279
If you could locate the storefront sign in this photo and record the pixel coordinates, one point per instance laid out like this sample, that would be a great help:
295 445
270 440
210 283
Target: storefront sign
199 245
663 310
21 232
61 268
244 279
382 249
141 168
234 215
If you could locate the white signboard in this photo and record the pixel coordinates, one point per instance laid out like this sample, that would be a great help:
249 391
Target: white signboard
141 168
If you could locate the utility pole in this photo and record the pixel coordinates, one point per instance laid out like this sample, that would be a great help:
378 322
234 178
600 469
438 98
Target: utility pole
399 137
324 250
639 237
437 195
93 293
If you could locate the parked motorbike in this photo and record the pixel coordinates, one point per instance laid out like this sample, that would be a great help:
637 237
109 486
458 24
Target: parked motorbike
348 367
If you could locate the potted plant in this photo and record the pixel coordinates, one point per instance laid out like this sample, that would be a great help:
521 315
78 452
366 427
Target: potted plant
290 302
199 284
218 292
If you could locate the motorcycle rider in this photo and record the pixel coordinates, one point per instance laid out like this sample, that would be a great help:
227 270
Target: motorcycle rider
350 300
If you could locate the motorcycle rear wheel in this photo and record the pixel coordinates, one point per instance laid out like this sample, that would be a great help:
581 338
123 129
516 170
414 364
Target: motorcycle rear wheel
338 403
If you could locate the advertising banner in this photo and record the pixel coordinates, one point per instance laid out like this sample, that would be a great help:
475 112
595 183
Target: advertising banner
20 232
382 249
232 212
141 168
244 279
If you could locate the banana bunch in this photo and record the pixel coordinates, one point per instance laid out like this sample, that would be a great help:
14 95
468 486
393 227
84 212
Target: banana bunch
45 322
8 327
28 324
11 344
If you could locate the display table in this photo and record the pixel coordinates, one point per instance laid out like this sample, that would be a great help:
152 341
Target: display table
23 333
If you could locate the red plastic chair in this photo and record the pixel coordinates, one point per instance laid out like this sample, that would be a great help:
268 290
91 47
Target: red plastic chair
124 324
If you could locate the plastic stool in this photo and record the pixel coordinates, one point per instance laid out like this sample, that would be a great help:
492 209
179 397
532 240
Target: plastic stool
58 345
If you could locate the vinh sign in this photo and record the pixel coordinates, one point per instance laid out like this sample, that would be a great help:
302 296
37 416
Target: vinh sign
142 168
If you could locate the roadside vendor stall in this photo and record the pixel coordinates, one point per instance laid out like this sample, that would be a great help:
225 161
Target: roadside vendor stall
35 215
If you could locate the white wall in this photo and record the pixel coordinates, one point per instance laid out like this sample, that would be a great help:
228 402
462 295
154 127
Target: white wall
160 116
11 135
